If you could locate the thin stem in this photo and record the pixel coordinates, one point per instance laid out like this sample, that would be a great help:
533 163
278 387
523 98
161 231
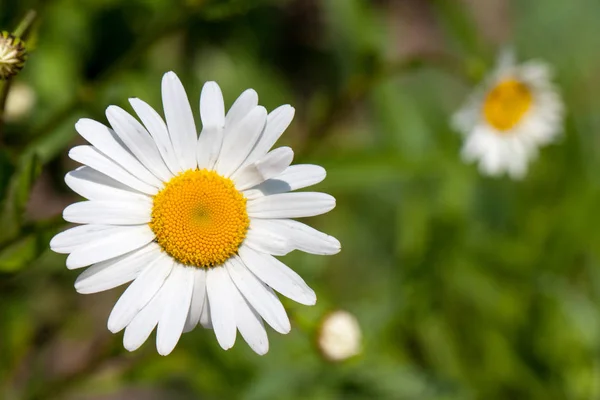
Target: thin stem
358 87
4 89
25 25
21 31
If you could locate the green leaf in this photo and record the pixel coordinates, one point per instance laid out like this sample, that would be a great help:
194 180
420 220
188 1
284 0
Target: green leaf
19 188
18 254
6 171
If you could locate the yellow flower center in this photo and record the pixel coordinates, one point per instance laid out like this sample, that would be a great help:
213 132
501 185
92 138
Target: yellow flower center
507 103
199 218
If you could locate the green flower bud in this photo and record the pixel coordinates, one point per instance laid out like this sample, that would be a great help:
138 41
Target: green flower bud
12 55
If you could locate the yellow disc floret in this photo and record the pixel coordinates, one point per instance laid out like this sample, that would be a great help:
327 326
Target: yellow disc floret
507 103
199 218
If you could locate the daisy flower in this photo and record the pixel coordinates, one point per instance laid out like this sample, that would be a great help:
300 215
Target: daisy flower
193 221
516 111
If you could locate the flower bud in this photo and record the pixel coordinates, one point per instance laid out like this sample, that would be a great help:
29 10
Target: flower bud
339 336
20 101
12 55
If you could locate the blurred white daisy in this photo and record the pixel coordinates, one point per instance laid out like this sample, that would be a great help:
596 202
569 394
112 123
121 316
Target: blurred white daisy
515 111
193 221
339 336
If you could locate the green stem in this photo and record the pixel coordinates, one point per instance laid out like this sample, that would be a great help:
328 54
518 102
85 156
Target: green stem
4 89
21 31
25 25
359 86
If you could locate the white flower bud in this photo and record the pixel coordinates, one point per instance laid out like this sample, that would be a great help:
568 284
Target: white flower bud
340 336
20 101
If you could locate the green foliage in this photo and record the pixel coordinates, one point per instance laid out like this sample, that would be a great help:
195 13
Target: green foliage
16 196
465 287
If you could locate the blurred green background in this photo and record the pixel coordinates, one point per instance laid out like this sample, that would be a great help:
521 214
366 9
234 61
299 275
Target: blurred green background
465 287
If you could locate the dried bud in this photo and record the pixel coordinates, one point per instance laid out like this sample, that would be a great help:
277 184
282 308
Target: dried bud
339 336
12 55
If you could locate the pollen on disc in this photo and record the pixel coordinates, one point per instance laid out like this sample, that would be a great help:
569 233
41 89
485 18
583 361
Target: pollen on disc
507 103
200 218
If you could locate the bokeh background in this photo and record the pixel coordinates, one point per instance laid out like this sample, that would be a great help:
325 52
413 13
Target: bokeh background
465 287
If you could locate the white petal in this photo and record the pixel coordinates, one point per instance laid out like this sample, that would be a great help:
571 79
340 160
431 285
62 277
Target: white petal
108 212
139 141
69 240
271 165
277 122
105 141
261 238
238 143
291 205
115 242
178 291
180 120
158 129
242 106
250 325
260 297
299 236
205 318
139 293
93 185
115 272
144 322
209 147
212 113
293 178
91 157
198 299
278 276
245 103
212 107
219 288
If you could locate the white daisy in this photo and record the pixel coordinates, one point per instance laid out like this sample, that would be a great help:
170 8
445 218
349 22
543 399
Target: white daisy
516 110
193 221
